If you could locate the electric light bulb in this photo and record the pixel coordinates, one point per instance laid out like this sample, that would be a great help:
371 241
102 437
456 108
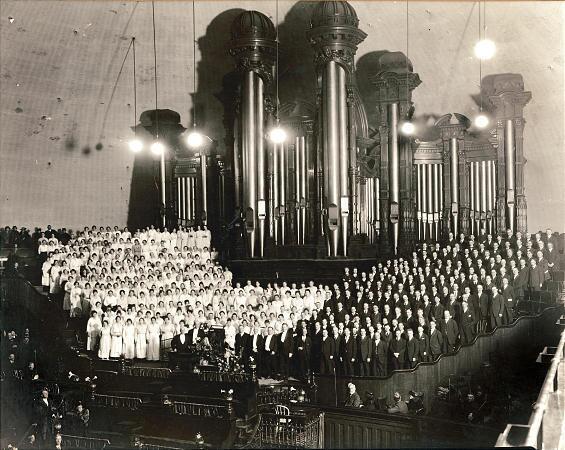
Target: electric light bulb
194 139
277 135
407 128
135 145
481 121
157 148
485 49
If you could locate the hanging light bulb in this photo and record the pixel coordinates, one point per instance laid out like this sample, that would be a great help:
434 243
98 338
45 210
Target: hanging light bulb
194 139
407 128
157 148
481 121
135 145
277 135
485 49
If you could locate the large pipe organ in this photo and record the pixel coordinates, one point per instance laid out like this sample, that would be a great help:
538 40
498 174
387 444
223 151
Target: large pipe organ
347 182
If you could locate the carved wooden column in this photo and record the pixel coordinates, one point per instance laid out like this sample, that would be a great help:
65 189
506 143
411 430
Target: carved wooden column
395 81
507 98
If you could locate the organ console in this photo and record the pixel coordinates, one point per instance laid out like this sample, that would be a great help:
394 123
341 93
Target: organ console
346 182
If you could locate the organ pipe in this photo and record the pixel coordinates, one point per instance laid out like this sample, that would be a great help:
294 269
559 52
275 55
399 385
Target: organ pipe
303 184
489 195
454 163
419 200
204 176
510 173
249 149
483 169
393 172
163 191
343 158
436 201
440 189
476 186
431 205
282 191
331 135
275 197
472 195
261 160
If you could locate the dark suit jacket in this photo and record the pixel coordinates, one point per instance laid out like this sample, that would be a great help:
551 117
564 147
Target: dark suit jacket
327 348
190 334
497 306
303 347
450 331
177 345
353 401
398 346
423 345
379 350
436 342
241 340
260 344
364 347
348 349
412 350
287 346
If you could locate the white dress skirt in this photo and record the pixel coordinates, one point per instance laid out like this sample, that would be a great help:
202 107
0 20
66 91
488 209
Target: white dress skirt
153 331
93 328
117 341
105 343
129 342
141 341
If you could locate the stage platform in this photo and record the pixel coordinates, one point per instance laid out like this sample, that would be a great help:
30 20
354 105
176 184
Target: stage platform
324 270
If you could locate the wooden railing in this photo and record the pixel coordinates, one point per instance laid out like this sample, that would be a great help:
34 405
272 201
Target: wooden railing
69 441
114 401
201 409
546 421
152 372
288 431
284 393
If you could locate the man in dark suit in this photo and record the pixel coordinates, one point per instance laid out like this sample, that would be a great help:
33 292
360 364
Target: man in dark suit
536 276
269 353
467 324
484 308
364 350
497 308
353 400
397 351
412 349
302 351
379 356
423 345
255 348
241 346
285 348
316 338
509 303
179 343
327 350
450 332
43 410
195 335
347 353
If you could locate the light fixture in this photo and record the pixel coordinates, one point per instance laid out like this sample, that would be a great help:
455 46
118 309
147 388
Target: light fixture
277 135
481 121
195 139
157 148
407 128
135 145
485 49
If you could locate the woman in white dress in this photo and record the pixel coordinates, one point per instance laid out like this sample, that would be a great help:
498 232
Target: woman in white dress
141 339
67 297
167 332
117 338
93 329
129 340
105 341
76 304
45 274
153 332
230 333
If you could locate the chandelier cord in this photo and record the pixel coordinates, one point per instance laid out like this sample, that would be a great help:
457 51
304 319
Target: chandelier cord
155 70
194 63
134 89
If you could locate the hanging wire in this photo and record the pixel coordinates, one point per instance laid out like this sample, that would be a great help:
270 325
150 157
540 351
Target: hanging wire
277 62
194 63
155 70
407 47
480 66
134 89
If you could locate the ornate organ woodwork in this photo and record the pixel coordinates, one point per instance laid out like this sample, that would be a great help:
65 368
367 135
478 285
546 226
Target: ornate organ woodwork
347 182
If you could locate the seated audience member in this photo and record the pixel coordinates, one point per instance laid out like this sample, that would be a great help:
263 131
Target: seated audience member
399 407
353 400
